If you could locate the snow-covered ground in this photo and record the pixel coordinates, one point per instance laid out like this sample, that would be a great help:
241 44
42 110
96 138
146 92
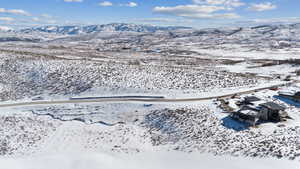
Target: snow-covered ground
33 77
280 70
240 53
174 64
182 127
157 160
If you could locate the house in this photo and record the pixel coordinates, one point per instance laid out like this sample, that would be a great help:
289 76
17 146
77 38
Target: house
248 116
295 96
268 111
271 111
249 100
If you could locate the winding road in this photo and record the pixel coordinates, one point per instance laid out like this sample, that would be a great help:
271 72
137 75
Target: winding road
142 99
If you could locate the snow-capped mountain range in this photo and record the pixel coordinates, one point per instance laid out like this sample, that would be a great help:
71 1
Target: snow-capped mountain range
258 35
123 27
114 27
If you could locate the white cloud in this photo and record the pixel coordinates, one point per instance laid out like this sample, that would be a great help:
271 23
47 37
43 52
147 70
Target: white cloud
230 3
15 11
46 16
18 12
43 19
105 3
51 21
197 11
204 9
36 19
73 0
262 7
129 4
108 3
7 19
212 16
162 20
132 4
5 28
188 9
156 20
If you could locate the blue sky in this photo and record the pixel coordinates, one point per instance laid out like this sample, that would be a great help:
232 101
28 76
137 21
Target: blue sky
196 13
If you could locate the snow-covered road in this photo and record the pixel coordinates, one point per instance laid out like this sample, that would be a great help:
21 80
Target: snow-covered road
143 99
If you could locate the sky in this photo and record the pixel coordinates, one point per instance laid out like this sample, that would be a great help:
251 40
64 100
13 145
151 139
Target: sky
194 13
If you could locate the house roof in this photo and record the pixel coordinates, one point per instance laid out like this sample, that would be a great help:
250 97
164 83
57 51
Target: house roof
297 94
248 112
286 93
273 106
244 115
251 99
